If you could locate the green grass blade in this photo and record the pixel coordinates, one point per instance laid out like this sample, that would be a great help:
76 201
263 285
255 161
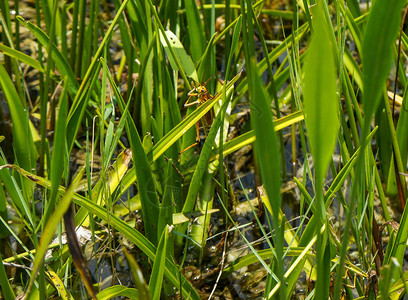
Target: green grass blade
320 99
266 145
6 290
24 58
117 291
382 25
156 279
195 29
60 61
23 144
249 137
58 153
14 191
138 278
402 128
320 102
147 190
4 215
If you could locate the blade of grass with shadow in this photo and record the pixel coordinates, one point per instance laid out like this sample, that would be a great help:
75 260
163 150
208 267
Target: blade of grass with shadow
250 137
6 288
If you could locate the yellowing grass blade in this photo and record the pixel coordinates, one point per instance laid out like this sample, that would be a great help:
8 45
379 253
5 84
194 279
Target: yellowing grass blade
114 176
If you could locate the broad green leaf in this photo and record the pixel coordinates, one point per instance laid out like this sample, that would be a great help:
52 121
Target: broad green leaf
320 98
321 114
181 54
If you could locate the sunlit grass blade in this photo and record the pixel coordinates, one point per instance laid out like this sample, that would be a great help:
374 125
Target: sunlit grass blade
156 279
58 284
249 137
117 291
24 58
